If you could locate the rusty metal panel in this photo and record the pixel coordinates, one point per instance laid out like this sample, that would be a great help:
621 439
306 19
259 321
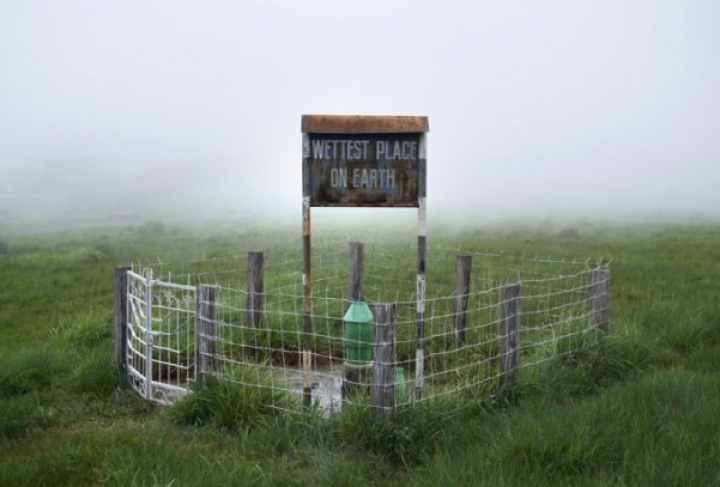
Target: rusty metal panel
364 170
363 124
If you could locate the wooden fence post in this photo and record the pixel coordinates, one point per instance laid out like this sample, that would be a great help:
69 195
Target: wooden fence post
600 300
205 329
382 392
357 269
463 265
354 375
255 296
121 317
510 334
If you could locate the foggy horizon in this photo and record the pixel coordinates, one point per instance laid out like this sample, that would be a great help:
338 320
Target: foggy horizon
605 110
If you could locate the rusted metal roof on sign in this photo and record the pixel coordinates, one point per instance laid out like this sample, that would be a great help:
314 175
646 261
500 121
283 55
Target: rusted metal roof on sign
363 124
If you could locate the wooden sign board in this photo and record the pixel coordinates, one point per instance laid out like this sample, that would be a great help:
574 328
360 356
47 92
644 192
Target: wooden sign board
364 161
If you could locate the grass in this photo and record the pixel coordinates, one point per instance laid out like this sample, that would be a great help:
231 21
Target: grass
26 370
230 404
640 408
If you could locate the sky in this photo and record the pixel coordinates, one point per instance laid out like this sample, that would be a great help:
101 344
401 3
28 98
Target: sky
547 108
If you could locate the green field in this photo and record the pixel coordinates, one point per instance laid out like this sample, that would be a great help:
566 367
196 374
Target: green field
640 409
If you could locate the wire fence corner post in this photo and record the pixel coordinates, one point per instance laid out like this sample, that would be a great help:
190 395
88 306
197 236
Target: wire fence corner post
205 331
510 334
384 376
463 266
120 317
255 297
600 301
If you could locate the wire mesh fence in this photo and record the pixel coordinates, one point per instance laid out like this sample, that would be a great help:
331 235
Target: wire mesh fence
508 314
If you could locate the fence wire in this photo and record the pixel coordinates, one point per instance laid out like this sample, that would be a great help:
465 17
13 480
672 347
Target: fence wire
555 320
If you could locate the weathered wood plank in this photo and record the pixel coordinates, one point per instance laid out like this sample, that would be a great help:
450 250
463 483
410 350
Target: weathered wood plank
205 331
510 333
463 266
382 392
363 124
357 269
600 300
121 317
256 295
256 292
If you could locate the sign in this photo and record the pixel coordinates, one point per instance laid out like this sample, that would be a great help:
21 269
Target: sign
363 161
382 166
364 170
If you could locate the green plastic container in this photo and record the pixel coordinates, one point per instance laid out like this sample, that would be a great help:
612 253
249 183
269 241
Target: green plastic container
401 387
359 333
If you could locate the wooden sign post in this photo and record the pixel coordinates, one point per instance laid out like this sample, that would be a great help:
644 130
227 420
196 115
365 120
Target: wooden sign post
363 161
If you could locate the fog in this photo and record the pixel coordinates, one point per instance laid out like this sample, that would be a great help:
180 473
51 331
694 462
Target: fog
130 109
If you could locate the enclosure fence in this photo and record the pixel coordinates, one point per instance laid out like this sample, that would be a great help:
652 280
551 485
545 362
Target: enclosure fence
490 319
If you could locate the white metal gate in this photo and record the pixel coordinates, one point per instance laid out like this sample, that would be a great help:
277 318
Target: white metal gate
160 337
